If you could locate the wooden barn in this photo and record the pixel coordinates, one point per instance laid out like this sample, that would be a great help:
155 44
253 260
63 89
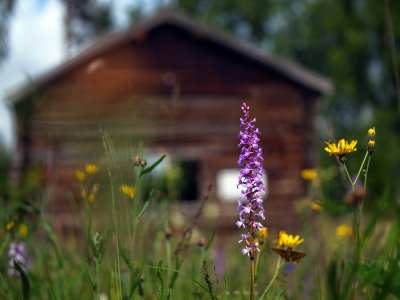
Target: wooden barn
176 86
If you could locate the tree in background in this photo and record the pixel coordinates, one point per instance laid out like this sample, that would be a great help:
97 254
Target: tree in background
6 9
355 43
85 20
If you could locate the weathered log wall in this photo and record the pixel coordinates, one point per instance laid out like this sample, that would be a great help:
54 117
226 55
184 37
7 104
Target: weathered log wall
178 92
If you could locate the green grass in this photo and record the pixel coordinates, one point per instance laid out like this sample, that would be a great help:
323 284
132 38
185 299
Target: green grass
129 248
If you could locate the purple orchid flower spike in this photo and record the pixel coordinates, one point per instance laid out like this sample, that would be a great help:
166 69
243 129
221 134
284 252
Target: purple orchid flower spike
17 254
250 204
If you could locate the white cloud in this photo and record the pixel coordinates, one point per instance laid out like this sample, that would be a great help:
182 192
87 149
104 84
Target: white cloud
35 41
35 45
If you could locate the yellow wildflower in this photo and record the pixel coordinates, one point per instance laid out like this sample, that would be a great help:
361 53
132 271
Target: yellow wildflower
128 190
308 174
263 232
22 230
261 236
288 240
93 192
91 197
80 175
342 147
371 132
316 207
91 168
10 225
344 231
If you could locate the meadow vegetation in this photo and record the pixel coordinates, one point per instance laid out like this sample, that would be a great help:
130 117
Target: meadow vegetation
132 244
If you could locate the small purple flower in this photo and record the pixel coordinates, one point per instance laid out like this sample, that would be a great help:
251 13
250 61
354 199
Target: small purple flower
17 254
250 205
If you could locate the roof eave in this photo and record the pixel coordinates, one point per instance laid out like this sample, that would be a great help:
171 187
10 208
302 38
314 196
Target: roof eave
294 72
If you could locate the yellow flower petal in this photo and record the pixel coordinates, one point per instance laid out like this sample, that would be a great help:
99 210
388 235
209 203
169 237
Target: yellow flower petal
308 174
371 132
91 168
128 190
22 230
288 240
10 225
342 147
80 175
344 231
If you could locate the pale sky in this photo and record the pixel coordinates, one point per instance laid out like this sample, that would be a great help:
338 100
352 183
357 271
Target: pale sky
36 46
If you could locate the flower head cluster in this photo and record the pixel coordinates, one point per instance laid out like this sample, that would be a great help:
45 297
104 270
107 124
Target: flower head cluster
250 205
341 148
371 140
17 254
88 193
287 240
90 170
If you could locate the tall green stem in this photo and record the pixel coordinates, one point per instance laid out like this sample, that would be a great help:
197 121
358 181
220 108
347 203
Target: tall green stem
278 266
252 267
116 240
257 263
366 171
348 175
361 167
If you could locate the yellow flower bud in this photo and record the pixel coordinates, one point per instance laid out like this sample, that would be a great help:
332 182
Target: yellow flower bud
344 231
371 132
22 230
10 225
91 168
80 175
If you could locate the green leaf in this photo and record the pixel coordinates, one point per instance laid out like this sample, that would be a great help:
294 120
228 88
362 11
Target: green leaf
141 212
160 281
175 274
150 168
211 239
205 289
90 239
26 286
126 259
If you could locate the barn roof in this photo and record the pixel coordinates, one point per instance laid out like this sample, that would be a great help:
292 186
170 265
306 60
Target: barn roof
289 70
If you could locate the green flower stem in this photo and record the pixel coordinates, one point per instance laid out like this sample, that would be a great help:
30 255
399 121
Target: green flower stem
115 237
358 212
257 263
97 270
361 167
278 266
252 267
347 173
169 264
366 171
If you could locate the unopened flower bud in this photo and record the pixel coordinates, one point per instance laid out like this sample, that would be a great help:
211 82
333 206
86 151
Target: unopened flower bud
168 233
202 242
96 238
143 163
371 146
136 161
356 195
371 132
